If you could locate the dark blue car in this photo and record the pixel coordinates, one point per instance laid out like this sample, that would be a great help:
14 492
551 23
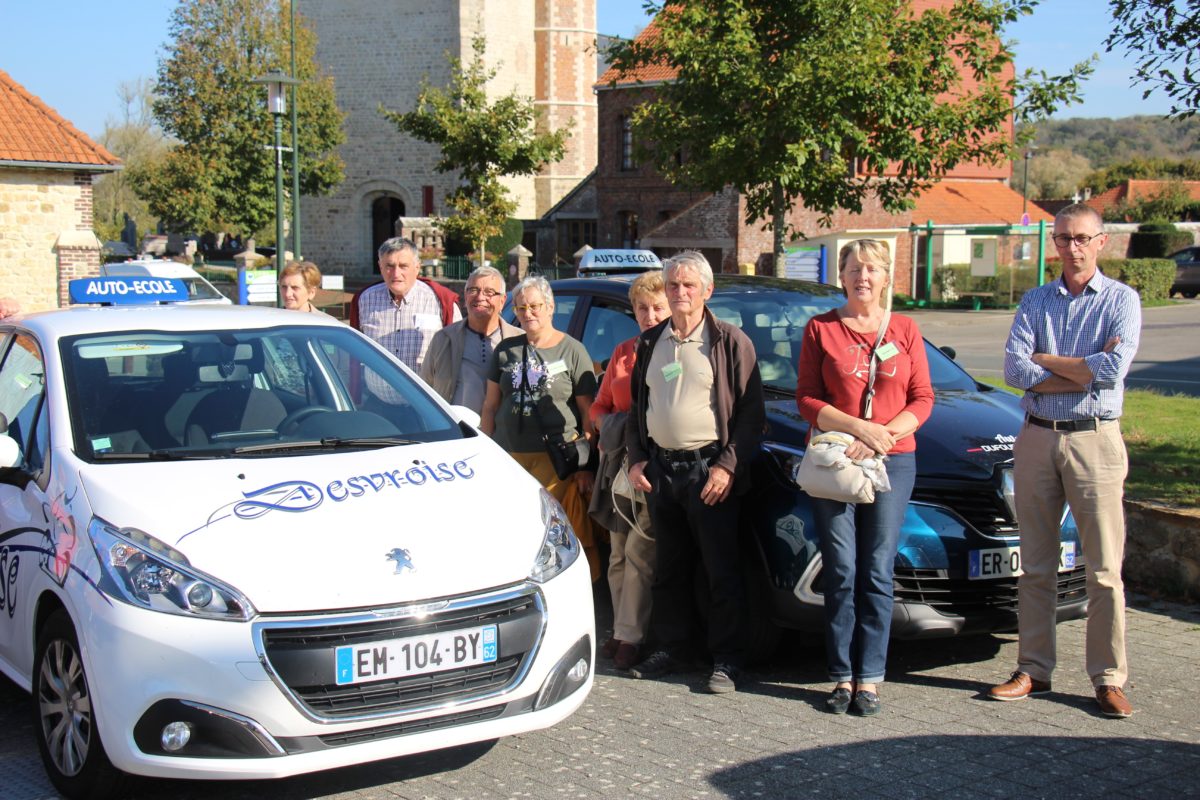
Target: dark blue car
959 556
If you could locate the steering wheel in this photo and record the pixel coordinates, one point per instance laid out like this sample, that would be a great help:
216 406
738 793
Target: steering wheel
292 421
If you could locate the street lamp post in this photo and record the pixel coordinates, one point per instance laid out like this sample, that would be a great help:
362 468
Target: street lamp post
295 145
1025 188
277 105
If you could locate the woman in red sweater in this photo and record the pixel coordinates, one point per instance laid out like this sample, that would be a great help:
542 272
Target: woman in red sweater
631 565
859 541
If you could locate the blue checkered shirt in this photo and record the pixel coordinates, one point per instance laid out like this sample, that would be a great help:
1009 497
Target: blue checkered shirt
405 327
1050 320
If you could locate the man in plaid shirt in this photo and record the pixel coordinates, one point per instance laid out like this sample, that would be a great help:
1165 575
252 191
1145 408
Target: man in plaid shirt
404 311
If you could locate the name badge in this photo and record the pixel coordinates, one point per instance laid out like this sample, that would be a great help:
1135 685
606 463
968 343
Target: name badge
887 351
556 367
428 321
672 371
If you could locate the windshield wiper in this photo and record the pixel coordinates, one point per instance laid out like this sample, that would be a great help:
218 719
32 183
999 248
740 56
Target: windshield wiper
328 443
158 455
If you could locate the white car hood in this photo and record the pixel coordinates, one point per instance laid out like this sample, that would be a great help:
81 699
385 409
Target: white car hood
327 530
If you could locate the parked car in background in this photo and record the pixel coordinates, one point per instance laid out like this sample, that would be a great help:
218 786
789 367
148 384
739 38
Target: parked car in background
959 555
1187 271
248 543
199 290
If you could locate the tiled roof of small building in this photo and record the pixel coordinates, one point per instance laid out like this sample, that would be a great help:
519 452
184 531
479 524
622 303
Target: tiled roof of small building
32 131
1132 190
953 202
646 74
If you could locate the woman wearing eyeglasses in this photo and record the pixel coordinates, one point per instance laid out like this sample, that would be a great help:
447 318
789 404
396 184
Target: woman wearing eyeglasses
541 384
459 355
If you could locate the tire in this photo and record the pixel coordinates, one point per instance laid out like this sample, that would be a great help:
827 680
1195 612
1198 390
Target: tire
64 719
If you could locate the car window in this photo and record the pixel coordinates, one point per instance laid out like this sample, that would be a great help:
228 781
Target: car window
607 325
199 289
213 393
22 389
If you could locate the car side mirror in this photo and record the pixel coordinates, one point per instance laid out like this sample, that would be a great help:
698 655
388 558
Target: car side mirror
950 351
466 415
10 451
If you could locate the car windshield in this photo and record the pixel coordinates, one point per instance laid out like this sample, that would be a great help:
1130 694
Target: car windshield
209 394
199 289
775 319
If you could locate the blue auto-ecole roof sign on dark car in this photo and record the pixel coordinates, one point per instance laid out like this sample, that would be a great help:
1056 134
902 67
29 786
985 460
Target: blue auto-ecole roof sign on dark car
127 290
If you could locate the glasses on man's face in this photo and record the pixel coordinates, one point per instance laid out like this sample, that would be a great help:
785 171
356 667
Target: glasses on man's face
490 294
532 308
1082 240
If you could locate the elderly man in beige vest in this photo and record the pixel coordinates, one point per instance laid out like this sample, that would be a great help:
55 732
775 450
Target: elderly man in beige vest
458 357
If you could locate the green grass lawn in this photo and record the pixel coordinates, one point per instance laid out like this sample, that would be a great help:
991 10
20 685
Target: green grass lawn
1162 435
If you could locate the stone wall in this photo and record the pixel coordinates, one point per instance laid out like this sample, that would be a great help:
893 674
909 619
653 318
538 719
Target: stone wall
37 209
1162 551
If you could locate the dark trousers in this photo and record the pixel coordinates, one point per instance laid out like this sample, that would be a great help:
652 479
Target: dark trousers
686 529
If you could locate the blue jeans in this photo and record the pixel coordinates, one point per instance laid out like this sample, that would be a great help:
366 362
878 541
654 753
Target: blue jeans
858 552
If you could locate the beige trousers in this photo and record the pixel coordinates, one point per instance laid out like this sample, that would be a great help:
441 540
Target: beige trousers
630 576
1085 469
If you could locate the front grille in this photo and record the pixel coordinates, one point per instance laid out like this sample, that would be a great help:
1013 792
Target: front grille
961 597
981 505
302 658
409 728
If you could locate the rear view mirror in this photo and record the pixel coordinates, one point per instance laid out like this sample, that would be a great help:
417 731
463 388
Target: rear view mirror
948 350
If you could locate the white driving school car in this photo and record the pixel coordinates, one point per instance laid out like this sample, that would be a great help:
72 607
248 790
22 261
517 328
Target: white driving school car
248 543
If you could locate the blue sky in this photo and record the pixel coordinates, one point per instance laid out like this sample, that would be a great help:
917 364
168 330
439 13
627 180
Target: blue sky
75 53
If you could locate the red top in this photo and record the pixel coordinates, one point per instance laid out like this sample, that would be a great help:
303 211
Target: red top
833 371
614 394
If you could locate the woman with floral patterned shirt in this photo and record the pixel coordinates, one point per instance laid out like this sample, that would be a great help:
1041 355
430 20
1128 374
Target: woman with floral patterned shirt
542 383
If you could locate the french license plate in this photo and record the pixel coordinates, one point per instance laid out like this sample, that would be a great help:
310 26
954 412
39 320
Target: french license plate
1005 562
416 655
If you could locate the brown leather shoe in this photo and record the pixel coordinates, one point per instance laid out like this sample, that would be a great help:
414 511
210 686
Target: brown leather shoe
1113 702
609 648
1018 687
626 656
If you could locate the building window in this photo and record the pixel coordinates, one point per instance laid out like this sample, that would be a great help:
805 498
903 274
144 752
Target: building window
427 201
574 234
628 221
627 161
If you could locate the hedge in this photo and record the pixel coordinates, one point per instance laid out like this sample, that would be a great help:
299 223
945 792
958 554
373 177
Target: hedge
1157 240
1151 277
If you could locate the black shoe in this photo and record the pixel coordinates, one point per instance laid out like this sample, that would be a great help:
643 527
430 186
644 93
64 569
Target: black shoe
659 663
838 701
866 703
722 680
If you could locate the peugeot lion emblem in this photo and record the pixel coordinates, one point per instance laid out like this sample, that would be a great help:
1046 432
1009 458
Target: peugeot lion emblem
403 560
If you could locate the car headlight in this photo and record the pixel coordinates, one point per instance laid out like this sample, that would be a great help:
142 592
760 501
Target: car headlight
559 547
144 572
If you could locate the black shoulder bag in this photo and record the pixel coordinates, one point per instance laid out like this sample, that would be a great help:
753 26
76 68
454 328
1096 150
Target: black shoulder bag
567 457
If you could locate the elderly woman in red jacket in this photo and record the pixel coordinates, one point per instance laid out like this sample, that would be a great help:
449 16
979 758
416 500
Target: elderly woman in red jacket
631 564
859 540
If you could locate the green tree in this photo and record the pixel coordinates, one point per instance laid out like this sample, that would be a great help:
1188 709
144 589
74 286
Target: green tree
137 141
1150 169
481 142
1055 174
829 101
221 174
1163 37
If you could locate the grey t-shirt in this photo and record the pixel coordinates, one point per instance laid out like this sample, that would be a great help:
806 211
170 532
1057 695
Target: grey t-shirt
556 376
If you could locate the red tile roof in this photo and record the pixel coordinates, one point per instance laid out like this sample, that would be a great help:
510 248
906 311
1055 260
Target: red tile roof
1131 190
974 203
31 131
646 74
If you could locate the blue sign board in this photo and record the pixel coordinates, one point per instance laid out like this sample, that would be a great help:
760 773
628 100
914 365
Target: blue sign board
127 290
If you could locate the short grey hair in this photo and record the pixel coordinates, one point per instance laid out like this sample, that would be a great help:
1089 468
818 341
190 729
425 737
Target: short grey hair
692 259
1076 210
486 272
396 244
535 282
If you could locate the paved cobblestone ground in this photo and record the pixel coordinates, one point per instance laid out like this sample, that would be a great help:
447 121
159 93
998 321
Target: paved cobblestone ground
936 737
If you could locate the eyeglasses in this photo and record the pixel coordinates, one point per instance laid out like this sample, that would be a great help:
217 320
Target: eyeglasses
1064 241
490 294
532 308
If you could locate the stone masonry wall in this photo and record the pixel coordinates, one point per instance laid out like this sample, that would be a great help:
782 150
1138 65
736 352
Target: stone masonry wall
1162 551
36 208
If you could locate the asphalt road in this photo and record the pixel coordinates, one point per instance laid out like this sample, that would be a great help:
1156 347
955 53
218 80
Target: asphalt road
1168 358
937 736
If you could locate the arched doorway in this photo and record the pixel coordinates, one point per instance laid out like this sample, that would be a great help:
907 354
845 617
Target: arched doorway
384 213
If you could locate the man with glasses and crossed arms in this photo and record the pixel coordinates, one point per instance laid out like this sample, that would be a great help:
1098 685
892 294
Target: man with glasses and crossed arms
457 361
1070 348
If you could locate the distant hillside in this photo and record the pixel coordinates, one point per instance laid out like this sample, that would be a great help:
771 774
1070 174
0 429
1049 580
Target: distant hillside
1104 141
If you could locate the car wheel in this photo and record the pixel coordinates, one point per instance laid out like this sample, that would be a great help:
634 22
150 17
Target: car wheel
1188 295
68 738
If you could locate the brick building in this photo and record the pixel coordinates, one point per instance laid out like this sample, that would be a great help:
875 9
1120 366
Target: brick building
46 172
378 52
636 207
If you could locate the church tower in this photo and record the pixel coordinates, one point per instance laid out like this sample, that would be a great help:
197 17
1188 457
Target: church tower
378 51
